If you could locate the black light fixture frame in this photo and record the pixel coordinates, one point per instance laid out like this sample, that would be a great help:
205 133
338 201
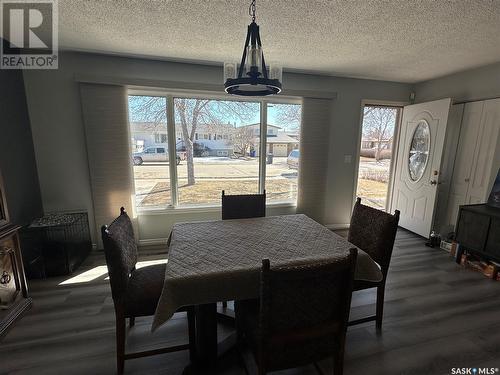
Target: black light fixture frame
235 86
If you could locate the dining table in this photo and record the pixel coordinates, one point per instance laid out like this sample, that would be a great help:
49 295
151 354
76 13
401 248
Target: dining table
220 260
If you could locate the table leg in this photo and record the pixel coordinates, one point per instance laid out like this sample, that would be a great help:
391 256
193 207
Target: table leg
209 352
206 336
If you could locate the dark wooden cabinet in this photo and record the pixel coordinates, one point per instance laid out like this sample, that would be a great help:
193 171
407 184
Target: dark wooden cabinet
14 299
9 284
478 230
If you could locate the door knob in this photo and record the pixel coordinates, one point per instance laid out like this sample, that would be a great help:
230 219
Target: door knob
5 279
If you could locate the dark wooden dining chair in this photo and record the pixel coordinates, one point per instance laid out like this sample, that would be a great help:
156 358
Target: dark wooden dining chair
243 206
301 316
374 232
135 291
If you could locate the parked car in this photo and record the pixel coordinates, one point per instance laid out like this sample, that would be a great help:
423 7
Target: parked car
158 154
293 159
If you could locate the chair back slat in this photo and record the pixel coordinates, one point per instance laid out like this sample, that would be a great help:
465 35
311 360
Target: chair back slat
374 232
243 206
120 250
305 309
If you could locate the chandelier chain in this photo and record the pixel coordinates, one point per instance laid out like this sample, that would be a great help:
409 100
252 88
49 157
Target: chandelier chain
251 10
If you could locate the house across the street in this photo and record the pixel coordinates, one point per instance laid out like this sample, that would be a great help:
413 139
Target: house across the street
279 143
214 140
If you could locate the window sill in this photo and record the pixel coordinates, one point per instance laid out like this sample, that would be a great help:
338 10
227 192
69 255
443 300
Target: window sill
199 209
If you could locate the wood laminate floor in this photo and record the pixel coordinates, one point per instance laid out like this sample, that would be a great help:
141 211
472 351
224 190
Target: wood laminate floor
438 316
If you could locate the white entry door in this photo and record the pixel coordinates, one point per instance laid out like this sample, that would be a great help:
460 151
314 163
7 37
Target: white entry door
420 150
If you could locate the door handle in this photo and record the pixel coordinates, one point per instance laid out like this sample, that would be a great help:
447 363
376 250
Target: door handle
433 182
5 279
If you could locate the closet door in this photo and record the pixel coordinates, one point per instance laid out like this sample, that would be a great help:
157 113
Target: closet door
469 131
486 158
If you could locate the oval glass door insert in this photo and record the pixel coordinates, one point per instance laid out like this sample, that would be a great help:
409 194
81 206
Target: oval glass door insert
419 150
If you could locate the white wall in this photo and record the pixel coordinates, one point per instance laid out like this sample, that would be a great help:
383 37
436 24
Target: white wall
474 84
54 106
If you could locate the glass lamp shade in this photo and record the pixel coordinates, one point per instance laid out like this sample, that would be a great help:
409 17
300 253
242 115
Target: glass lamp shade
253 64
251 84
230 70
276 72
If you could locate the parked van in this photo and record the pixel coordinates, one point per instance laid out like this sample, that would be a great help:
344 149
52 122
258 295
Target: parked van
154 154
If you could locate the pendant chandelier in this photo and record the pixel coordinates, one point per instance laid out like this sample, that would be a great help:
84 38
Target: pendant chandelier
253 77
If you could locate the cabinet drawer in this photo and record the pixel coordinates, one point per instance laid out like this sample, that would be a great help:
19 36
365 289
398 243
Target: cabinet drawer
472 230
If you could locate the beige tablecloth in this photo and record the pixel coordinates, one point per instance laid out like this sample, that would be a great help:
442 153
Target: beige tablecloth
220 260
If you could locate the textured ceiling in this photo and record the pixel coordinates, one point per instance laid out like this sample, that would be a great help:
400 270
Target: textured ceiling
407 41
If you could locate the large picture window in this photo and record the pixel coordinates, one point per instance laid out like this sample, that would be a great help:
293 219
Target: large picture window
217 144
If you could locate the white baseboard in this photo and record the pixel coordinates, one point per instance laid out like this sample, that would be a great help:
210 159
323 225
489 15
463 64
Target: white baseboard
337 226
154 242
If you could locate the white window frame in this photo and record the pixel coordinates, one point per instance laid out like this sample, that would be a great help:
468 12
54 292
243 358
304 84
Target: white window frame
171 140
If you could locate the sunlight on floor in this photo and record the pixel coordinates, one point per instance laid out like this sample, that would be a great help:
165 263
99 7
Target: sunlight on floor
150 263
100 271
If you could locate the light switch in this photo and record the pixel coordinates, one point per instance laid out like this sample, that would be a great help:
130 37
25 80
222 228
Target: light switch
347 159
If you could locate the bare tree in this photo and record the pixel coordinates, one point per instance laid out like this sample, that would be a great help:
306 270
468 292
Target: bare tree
289 114
149 110
189 112
243 140
378 124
